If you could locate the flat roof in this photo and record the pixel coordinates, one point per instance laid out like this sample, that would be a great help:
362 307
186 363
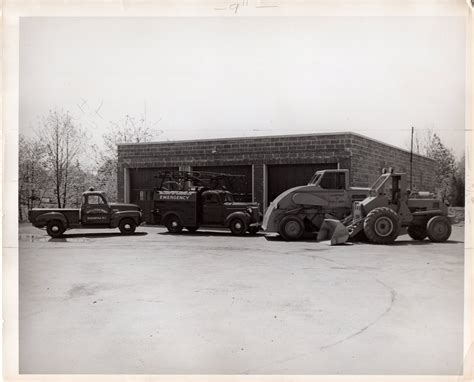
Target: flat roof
269 136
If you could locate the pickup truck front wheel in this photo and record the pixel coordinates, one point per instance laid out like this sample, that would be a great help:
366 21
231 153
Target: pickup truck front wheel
55 228
127 226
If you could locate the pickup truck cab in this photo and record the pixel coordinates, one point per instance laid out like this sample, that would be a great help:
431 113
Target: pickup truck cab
95 212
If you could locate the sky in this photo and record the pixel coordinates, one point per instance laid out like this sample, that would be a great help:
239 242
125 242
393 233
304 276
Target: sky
198 78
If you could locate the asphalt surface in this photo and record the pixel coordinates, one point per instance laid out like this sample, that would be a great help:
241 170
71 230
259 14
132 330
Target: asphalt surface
210 303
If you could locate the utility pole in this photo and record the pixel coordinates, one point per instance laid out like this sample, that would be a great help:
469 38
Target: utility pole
411 160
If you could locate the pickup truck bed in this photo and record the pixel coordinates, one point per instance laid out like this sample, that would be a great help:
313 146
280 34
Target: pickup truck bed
72 215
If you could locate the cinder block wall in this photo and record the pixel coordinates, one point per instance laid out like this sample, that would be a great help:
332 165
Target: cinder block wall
257 151
364 157
369 157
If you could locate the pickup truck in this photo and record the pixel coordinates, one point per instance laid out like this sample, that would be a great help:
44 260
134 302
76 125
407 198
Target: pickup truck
95 212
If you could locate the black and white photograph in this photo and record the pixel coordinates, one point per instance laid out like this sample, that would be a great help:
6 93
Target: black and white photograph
250 187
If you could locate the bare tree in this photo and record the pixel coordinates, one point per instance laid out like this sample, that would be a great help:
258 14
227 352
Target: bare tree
126 130
422 139
79 180
63 140
33 179
460 182
449 175
129 130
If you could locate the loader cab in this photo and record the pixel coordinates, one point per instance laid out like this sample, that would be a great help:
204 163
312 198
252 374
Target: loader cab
392 186
94 209
330 179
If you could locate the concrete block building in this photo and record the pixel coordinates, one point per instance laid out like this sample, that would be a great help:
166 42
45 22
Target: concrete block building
271 164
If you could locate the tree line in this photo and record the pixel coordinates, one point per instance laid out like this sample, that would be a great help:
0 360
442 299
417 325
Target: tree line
449 173
59 163
55 166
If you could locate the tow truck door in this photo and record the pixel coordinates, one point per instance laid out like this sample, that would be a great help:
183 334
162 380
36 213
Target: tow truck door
95 210
212 208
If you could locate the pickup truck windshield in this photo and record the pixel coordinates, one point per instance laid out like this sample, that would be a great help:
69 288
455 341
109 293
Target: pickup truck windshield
93 199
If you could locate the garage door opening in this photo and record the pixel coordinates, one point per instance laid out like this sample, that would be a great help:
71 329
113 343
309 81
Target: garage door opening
240 186
143 181
284 176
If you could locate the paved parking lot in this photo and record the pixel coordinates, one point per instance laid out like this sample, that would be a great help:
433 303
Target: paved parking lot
207 303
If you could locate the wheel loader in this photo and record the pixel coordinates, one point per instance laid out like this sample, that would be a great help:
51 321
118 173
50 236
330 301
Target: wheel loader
388 210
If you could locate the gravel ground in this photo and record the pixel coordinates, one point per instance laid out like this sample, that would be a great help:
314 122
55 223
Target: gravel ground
212 303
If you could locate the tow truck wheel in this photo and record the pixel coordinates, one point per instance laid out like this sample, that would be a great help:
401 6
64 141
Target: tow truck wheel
417 232
192 229
439 229
381 226
238 226
173 224
127 226
291 228
55 228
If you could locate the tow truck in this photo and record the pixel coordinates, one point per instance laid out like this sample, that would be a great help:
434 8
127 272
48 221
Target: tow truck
193 200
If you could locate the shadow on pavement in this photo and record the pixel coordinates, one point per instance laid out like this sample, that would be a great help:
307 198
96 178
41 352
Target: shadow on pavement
423 242
349 242
306 239
92 236
209 233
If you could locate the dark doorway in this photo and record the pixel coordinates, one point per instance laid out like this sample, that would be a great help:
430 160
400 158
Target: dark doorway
240 187
281 177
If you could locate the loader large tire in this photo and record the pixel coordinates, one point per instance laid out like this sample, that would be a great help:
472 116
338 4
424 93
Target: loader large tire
381 226
417 232
291 228
439 229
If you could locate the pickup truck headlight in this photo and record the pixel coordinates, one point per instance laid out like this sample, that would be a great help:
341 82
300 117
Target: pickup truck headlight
249 210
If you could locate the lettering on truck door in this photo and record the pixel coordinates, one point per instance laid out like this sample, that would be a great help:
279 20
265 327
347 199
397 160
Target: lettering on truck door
95 210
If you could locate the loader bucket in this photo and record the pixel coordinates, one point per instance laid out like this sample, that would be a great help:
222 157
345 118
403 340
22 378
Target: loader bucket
333 230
